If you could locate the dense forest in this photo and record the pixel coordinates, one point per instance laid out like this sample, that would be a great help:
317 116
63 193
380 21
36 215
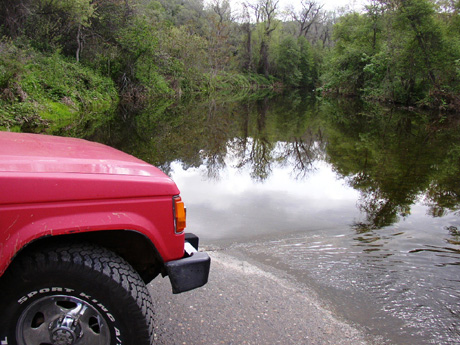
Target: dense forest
60 57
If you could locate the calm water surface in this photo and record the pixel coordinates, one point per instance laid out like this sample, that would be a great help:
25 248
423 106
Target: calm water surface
402 278
360 203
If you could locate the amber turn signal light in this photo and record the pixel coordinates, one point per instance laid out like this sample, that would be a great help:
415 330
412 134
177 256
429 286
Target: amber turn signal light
179 214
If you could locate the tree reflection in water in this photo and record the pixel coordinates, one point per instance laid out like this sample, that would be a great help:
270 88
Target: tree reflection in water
393 158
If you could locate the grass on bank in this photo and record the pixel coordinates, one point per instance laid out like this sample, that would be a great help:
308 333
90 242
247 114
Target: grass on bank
40 92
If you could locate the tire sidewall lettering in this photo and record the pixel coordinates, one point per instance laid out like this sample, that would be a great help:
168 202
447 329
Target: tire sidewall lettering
47 291
56 274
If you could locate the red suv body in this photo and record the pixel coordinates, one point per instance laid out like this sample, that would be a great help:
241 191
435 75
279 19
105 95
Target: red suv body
61 195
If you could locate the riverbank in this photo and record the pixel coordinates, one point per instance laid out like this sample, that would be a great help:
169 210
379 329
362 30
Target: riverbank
49 93
243 304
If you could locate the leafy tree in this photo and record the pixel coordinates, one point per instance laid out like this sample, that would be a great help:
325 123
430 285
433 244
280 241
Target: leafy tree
345 64
307 64
398 51
288 61
49 24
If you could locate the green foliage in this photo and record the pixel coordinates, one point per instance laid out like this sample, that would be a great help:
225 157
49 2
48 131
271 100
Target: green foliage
183 61
377 84
12 62
42 91
308 64
238 83
402 51
58 24
345 65
80 12
288 61
140 52
399 51
295 63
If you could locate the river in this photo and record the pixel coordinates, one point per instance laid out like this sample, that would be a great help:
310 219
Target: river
359 202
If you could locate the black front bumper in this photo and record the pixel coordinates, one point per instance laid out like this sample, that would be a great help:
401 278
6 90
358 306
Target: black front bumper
191 271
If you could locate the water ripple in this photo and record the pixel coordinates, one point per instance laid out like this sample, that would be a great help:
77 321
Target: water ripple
406 284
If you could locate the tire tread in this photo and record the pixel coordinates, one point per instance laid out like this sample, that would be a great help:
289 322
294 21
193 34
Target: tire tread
111 268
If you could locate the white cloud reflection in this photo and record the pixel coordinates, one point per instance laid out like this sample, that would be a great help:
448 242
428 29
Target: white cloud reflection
236 206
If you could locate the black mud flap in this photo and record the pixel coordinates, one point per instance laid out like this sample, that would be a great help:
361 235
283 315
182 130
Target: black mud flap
190 272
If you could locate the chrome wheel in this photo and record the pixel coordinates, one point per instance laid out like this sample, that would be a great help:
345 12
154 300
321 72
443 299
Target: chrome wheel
62 320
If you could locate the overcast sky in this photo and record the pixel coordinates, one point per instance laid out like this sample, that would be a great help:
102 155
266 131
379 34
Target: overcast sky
328 4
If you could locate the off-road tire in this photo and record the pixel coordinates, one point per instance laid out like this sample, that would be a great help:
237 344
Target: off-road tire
66 279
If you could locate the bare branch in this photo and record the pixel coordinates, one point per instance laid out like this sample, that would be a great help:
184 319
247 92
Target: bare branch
307 16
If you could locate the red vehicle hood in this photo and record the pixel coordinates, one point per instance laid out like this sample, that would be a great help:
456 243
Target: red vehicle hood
21 152
80 168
